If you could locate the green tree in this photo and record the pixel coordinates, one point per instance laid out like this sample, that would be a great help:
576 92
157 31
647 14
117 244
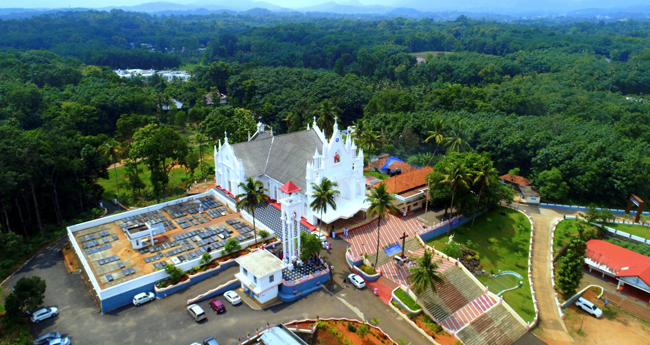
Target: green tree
28 294
236 122
425 274
231 246
455 174
205 258
570 272
310 245
175 273
251 197
381 203
551 185
453 250
111 151
436 135
458 140
484 174
326 113
324 194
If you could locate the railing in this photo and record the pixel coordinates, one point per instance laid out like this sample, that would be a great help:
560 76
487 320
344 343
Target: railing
307 278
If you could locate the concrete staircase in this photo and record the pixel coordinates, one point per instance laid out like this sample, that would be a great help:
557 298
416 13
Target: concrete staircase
637 310
469 313
457 291
496 327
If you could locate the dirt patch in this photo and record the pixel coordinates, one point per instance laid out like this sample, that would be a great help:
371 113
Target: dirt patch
440 336
614 327
71 263
337 332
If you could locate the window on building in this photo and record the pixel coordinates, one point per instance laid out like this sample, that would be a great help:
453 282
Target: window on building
271 278
245 271
254 279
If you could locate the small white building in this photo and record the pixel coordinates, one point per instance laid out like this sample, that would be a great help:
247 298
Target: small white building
261 273
142 235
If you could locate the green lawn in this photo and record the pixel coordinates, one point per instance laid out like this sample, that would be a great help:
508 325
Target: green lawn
564 231
376 174
110 192
407 300
636 230
502 241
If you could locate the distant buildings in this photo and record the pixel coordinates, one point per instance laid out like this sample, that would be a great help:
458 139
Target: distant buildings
168 75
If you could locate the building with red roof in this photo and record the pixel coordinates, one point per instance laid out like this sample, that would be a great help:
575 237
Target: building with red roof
628 268
410 188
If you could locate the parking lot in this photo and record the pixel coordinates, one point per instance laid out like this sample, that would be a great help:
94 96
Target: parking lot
166 321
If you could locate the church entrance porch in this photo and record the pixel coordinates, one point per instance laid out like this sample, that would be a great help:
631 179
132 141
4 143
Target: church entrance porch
357 220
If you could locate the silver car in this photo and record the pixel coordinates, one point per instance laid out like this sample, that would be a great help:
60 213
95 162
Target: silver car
196 312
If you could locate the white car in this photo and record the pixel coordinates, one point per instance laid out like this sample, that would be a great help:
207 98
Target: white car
232 297
143 298
357 281
589 307
320 236
44 313
60 341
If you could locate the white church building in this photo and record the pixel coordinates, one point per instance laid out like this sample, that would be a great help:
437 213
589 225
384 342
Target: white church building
303 158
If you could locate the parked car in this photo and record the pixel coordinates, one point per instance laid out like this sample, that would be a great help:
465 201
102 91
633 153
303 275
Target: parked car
357 281
232 297
60 341
143 298
196 312
589 307
217 306
210 341
45 338
44 313
320 236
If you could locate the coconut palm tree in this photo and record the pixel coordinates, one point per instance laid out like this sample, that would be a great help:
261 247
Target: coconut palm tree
455 174
436 135
111 150
252 196
458 140
425 274
324 194
327 113
484 174
381 202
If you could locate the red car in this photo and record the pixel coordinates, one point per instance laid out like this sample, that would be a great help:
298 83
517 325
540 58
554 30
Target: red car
217 306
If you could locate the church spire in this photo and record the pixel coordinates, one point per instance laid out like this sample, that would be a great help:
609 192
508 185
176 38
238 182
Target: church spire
225 139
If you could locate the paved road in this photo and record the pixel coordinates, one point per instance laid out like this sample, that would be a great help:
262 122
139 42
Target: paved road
166 321
551 327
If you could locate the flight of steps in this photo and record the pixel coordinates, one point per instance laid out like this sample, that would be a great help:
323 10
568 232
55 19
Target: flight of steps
469 313
496 327
457 291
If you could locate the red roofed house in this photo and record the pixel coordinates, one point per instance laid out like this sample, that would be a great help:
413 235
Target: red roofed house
527 193
409 188
630 269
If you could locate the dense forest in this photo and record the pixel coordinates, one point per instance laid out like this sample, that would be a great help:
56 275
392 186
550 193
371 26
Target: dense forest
563 104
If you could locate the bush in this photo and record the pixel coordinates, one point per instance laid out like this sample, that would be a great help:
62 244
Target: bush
363 330
375 321
351 328
231 246
453 250
263 234
175 273
367 269
205 258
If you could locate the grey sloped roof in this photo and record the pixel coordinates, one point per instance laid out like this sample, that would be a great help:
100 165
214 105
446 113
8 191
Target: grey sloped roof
253 154
282 158
260 136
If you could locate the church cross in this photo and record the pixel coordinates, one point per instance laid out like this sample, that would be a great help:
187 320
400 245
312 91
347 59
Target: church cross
403 238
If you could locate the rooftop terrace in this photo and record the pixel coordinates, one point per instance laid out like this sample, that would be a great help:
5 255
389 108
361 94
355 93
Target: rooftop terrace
190 229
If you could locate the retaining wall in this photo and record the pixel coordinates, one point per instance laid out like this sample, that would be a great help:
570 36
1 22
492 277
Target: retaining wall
193 279
231 285
584 209
291 291
442 228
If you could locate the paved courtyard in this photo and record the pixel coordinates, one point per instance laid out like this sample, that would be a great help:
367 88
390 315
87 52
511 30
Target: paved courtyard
166 321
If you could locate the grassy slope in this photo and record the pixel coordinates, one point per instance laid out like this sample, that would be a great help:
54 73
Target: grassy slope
637 230
564 231
507 251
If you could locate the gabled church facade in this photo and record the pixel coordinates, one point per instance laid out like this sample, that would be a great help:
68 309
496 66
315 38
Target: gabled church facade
303 157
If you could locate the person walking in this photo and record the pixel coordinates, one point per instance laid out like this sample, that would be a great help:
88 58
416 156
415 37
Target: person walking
345 280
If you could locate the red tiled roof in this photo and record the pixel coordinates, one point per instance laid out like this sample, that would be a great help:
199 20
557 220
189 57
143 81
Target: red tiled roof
520 180
401 165
290 187
623 262
378 163
404 182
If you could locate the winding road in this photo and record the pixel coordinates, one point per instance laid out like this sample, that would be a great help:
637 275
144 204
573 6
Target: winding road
551 327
